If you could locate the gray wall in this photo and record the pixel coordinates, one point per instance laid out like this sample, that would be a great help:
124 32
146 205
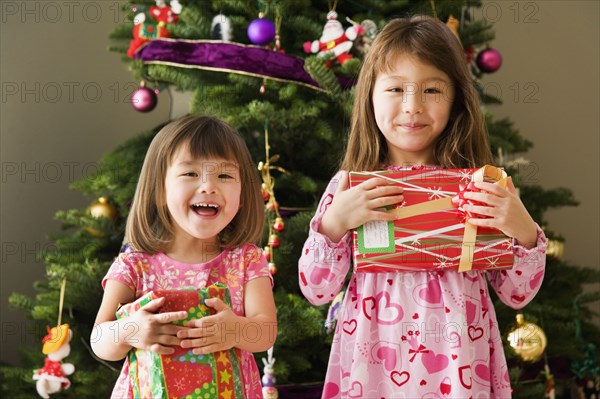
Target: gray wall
64 104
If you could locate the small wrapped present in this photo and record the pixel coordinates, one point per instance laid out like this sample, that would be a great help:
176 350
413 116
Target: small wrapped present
184 374
432 232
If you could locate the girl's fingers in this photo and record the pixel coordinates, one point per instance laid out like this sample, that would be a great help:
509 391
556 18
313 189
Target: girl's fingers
161 349
170 317
480 210
343 183
481 222
492 188
382 202
207 349
485 198
198 342
154 305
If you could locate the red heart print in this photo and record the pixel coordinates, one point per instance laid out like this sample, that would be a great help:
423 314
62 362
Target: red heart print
536 280
388 355
446 386
416 316
319 274
349 326
423 382
389 281
356 391
475 333
400 378
433 292
454 357
303 279
386 311
434 363
482 371
331 390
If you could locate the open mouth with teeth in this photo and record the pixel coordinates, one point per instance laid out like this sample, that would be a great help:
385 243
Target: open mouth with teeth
205 209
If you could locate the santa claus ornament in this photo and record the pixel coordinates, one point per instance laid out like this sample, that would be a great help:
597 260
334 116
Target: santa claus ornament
52 378
148 29
335 41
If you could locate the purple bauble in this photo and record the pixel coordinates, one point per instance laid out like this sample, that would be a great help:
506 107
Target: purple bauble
143 99
261 31
489 60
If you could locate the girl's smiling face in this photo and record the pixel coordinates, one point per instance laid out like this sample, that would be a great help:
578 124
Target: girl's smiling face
412 105
203 196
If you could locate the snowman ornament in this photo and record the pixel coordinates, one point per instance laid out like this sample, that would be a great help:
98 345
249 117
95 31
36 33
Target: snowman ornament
334 40
52 377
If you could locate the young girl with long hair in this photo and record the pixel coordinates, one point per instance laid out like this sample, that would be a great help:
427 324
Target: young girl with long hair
416 334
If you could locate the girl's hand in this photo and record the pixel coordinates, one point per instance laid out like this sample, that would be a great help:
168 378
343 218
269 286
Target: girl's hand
505 210
213 333
154 331
353 207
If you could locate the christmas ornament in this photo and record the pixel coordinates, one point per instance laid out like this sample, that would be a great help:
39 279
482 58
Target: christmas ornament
144 99
527 339
261 31
366 39
274 240
555 248
52 378
278 225
469 54
334 40
220 29
453 24
489 60
232 58
145 29
102 209
268 379
274 219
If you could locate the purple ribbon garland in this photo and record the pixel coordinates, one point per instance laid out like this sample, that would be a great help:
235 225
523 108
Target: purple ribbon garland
231 57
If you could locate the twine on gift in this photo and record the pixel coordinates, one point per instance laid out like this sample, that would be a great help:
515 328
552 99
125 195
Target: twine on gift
486 173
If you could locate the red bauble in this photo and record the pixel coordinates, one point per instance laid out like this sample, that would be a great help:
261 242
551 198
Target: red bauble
272 206
267 253
144 99
489 60
278 225
272 268
274 240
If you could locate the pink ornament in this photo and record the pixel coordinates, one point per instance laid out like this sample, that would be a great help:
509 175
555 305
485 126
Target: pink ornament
489 60
144 99
261 31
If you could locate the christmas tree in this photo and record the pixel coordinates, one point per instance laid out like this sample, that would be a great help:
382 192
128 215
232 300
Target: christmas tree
265 76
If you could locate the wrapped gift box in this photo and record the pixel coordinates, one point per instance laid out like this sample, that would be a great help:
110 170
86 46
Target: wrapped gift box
184 373
432 233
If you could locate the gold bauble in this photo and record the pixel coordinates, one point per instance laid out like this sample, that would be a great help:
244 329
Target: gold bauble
527 339
102 209
555 248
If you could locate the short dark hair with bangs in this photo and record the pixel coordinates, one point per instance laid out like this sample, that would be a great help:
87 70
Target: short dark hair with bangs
150 227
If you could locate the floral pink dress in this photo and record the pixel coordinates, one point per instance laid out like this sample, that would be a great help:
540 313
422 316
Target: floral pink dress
415 335
232 267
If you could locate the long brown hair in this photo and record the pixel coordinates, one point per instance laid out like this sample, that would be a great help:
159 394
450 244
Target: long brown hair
464 141
150 227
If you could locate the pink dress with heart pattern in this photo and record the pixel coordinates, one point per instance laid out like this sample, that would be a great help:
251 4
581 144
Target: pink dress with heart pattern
415 335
